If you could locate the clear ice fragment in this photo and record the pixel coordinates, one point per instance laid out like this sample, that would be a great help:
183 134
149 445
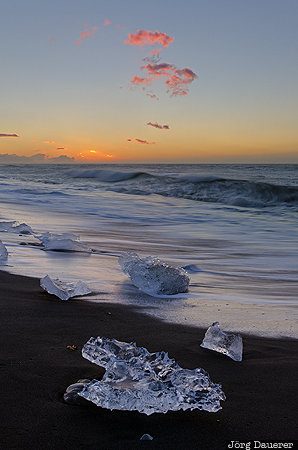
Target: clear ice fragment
71 395
64 290
227 343
146 437
3 252
66 242
136 379
152 276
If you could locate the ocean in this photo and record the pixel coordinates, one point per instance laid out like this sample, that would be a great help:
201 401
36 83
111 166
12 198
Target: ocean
237 223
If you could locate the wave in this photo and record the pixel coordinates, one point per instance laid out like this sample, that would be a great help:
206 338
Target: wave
107 176
235 192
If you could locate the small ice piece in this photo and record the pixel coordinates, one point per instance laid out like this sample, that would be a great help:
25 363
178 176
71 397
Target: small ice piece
6 226
3 252
66 242
138 380
64 290
192 268
47 237
71 395
227 343
152 276
146 437
15 227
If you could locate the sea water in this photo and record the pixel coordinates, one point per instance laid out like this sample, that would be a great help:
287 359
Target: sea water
236 223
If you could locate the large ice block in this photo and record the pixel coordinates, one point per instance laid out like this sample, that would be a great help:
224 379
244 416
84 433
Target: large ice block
64 290
136 379
3 252
153 276
66 242
227 343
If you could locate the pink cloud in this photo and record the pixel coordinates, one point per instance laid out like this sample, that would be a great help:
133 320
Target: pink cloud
139 80
53 39
8 135
176 80
107 22
156 125
86 33
142 37
140 141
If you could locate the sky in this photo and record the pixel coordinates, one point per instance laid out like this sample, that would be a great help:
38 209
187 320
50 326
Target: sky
199 81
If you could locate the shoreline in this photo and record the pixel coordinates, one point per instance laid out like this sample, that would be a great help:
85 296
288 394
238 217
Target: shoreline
37 367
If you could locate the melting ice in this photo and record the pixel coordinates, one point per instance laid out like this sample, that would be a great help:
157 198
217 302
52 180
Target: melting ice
136 379
152 276
227 343
66 242
64 290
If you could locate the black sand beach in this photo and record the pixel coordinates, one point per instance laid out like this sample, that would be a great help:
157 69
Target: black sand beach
37 366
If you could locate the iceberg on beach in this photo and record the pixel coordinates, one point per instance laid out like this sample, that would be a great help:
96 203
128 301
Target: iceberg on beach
227 343
66 242
152 276
3 252
136 379
64 290
15 227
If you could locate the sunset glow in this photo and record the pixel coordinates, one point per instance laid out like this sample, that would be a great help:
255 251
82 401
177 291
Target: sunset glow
222 98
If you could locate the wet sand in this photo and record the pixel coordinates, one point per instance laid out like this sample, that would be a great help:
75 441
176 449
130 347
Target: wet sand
37 366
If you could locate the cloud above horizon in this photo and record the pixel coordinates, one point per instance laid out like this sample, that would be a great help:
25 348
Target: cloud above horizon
160 127
143 37
39 158
86 33
8 135
176 80
140 141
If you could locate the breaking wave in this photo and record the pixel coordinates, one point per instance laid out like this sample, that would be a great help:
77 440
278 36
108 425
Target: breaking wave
233 192
107 176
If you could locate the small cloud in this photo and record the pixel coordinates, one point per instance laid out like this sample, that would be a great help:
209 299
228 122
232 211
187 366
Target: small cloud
60 148
160 127
118 26
176 80
106 22
8 135
151 95
53 39
93 151
143 37
86 33
139 80
109 156
140 141
39 158
49 142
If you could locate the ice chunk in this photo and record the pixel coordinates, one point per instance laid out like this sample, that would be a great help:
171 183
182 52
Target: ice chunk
15 227
64 290
45 238
146 437
3 252
136 379
153 276
66 242
227 343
